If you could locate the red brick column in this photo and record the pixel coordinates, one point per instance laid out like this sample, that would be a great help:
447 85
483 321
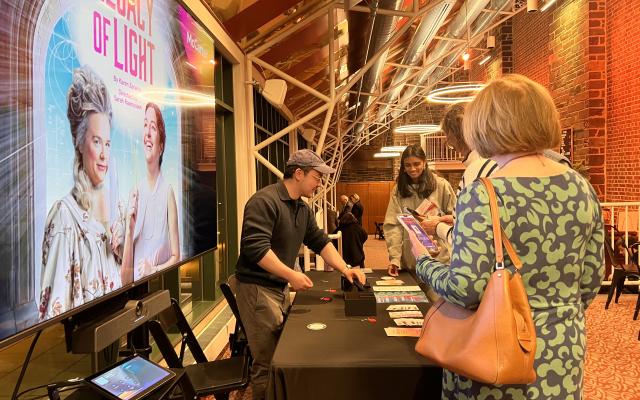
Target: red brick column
623 100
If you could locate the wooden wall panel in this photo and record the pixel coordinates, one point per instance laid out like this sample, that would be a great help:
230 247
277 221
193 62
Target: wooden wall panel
374 197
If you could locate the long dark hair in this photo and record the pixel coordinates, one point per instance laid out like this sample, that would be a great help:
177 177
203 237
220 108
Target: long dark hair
426 181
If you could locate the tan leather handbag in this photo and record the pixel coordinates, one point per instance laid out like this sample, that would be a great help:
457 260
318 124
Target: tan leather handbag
496 343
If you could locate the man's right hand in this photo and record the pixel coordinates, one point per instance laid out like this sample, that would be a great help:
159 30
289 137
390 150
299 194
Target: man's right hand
300 281
393 270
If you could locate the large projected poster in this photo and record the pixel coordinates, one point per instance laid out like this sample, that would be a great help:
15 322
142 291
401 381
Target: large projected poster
107 106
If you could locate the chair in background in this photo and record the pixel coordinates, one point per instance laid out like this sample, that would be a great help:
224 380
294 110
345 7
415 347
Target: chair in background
621 270
238 342
379 231
217 378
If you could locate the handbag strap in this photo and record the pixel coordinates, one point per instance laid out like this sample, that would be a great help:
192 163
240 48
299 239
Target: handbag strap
499 236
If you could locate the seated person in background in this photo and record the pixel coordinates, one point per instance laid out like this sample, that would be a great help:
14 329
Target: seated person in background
353 238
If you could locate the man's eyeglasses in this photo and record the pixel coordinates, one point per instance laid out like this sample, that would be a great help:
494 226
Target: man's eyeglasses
318 178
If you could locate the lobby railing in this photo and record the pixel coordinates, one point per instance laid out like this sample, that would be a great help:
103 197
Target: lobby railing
625 217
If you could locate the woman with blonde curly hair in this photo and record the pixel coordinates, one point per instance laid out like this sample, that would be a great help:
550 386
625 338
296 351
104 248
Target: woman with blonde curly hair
78 262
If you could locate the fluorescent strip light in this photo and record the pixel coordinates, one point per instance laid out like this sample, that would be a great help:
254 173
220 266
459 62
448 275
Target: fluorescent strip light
386 155
484 60
547 5
393 148
418 128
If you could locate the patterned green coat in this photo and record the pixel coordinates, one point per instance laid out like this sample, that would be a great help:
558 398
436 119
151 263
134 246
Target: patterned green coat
555 224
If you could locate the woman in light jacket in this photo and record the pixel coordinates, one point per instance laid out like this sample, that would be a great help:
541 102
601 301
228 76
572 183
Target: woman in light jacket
416 186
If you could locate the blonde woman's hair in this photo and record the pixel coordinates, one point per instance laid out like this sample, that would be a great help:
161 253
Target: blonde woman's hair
87 95
512 114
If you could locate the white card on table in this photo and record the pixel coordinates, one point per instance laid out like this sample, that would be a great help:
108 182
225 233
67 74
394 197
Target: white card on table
409 321
402 307
410 332
405 314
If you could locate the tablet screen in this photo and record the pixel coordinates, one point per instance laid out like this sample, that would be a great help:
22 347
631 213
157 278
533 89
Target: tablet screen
131 378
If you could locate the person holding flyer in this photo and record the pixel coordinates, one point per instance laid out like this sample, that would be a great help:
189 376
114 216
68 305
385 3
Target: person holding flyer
420 189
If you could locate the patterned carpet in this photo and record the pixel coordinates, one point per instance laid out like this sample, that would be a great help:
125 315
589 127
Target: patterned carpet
612 369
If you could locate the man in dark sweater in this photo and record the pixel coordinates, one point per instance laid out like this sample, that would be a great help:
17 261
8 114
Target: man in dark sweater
276 222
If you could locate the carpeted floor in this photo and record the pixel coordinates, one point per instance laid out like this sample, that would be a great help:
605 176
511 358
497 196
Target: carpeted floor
612 368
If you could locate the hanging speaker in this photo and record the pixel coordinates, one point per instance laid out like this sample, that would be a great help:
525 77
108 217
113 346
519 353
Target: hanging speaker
309 135
491 42
532 5
274 91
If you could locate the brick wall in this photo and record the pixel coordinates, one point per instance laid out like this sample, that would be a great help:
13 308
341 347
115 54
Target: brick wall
563 49
362 167
623 100
531 53
501 61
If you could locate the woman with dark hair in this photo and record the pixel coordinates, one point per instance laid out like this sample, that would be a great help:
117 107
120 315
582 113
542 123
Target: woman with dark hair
78 262
156 244
417 188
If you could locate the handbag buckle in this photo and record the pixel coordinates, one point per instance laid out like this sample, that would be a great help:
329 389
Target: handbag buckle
500 265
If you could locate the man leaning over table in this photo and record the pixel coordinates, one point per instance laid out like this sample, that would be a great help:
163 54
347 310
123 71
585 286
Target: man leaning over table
276 222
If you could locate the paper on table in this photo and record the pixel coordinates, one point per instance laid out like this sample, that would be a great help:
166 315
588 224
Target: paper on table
393 282
402 307
401 297
367 270
394 331
396 289
409 321
405 314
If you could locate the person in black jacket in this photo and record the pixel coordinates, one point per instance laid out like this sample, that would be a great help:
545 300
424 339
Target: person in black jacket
353 238
357 209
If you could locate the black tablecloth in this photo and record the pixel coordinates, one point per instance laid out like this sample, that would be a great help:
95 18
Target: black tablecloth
352 358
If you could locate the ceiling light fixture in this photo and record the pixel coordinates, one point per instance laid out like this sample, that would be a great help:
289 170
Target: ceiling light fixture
386 155
532 5
392 149
484 60
546 5
177 97
443 95
418 128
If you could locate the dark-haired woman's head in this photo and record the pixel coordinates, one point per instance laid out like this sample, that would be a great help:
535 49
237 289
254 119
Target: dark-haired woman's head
414 176
451 125
154 134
